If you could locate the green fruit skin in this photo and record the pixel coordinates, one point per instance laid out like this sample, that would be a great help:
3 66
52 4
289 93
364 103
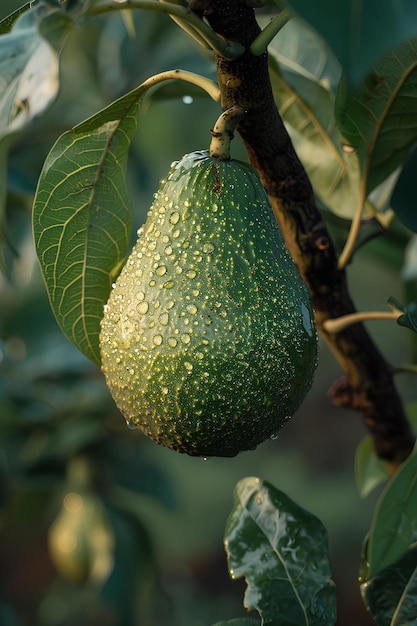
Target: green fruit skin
208 341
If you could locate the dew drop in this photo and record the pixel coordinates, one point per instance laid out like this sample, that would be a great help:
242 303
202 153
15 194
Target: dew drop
168 250
191 274
191 308
208 248
141 295
164 319
168 284
157 340
273 436
188 366
174 218
185 338
130 424
161 270
229 377
142 307
176 234
172 342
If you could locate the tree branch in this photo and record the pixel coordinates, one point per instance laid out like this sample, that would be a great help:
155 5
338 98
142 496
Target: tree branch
368 386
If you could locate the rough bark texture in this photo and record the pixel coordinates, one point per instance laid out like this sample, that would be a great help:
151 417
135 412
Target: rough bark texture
368 385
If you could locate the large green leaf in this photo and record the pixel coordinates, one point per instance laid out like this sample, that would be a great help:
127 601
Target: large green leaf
82 218
304 75
394 527
28 82
360 33
391 595
281 550
380 121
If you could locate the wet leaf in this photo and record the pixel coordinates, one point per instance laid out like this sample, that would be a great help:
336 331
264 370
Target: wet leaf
379 121
394 526
391 595
281 550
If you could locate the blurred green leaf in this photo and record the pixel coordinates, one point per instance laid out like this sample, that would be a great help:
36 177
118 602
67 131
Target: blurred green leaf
391 595
82 218
28 85
304 76
394 526
239 621
370 471
379 121
281 550
404 196
360 33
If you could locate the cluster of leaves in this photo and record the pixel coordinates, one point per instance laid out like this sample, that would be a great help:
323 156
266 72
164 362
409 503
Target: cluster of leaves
352 121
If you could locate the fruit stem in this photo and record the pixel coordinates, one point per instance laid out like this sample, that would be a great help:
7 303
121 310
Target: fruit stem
223 132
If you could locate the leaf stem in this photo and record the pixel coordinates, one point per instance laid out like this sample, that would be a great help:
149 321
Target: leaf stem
227 49
349 248
223 131
190 77
262 41
338 324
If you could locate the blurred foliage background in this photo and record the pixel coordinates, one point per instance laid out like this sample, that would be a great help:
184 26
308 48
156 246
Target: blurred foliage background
98 524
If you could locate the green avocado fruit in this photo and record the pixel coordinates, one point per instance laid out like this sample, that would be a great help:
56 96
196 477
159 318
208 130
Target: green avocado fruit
208 340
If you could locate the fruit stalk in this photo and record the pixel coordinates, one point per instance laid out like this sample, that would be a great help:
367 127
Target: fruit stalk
223 132
368 386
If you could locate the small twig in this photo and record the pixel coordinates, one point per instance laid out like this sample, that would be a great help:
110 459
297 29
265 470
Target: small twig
336 325
227 49
262 41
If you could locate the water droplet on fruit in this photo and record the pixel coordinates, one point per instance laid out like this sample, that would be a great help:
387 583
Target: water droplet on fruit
174 218
191 308
157 340
130 424
208 248
168 284
273 436
142 307
185 338
191 274
161 270
172 342
164 319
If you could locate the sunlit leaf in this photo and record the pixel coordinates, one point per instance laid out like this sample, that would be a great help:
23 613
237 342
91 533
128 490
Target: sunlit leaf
370 471
360 33
303 79
281 550
28 82
391 595
380 121
82 218
394 527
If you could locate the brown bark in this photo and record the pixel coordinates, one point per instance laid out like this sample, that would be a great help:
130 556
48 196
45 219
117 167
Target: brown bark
368 385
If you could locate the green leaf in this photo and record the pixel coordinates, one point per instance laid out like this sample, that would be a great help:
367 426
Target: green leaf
360 33
394 526
370 471
82 218
281 550
28 84
403 199
303 76
379 121
409 317
391 596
